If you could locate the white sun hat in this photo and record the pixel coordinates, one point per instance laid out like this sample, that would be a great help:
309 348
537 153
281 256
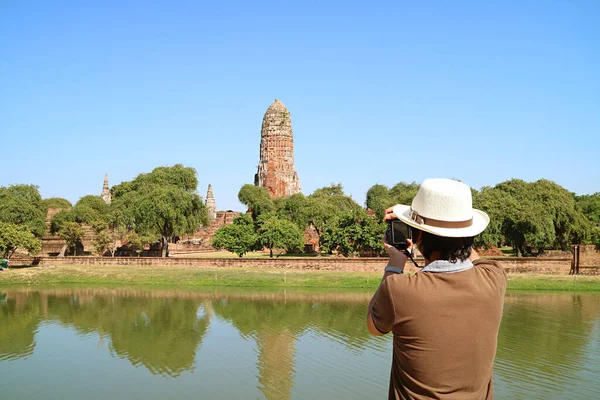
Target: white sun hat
443 207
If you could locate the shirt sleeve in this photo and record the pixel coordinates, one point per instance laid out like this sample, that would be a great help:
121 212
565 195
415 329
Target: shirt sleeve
382 311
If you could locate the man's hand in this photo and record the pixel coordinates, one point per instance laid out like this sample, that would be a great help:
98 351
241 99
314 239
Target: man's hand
397 257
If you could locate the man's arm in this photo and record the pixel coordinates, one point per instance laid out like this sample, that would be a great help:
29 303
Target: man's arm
381 315
370 324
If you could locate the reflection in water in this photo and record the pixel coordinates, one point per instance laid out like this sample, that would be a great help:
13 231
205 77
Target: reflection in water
19 318
548 343
543 342
275 325
160 334
162 331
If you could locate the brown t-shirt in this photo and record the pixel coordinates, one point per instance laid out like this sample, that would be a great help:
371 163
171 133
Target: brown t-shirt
445 329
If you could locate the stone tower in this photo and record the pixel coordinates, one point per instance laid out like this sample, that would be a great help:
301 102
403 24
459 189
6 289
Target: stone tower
276 169
211 204
106 191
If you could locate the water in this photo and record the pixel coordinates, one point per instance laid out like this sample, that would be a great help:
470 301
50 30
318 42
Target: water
103 343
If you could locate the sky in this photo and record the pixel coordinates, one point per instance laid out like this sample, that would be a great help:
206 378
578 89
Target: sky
379 91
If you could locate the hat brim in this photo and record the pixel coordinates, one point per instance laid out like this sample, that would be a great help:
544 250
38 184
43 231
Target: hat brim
480 222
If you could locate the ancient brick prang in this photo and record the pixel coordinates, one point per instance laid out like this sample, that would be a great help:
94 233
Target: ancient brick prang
276 169
211 204
105 190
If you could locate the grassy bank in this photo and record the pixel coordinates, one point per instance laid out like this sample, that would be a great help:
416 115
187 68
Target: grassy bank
190 276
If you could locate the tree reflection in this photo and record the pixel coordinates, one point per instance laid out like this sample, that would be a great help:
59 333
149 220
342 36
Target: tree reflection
20 315
542 343
160 334
542 340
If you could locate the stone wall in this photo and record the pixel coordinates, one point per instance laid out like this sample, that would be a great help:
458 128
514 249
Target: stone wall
589 256
554 266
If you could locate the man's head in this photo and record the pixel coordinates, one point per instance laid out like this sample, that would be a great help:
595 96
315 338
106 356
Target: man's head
434 247
443 220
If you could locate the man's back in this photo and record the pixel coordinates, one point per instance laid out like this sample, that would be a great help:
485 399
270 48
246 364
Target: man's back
445 329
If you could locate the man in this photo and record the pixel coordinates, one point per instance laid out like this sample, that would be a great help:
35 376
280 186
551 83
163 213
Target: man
445 318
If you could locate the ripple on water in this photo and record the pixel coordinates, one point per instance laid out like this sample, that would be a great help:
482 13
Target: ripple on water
548 345
301 347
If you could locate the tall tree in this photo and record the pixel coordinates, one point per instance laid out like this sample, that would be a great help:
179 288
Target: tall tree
379 197
353 232
22 205
296 209
257 199
163 202
91 211
539 214
239 237
72 233
589 205
276 233
56 202
326 205
14 236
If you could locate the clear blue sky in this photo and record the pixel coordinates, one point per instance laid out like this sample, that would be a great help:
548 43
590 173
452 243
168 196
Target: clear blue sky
379 92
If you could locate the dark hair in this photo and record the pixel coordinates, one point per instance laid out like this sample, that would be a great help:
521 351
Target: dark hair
451 249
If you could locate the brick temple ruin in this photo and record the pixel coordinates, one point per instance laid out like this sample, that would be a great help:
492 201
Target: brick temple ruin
276 169
276 172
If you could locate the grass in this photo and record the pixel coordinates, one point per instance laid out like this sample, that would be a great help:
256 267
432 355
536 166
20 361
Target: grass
554 282
508 251
186 276
245 277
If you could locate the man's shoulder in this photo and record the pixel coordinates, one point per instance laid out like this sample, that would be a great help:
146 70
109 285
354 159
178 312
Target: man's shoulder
492 267
487 263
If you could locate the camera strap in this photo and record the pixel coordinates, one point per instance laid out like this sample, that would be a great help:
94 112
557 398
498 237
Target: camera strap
409 255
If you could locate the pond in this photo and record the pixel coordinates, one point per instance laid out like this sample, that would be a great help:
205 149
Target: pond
215 343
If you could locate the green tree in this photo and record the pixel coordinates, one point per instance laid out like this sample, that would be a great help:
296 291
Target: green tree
163 202
276 233
56 202
137 242
14 236
497 205
72 233
595 236
91 209
589 205
94 212
404 193
22 205
101 242
239 237
353 232
296 209
257 199
326 205
379 197
539 214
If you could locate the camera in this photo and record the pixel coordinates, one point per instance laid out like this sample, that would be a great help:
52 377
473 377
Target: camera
397 233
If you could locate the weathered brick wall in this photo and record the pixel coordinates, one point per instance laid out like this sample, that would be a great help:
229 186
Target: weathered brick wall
512 265
551 266
589 256
201 240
